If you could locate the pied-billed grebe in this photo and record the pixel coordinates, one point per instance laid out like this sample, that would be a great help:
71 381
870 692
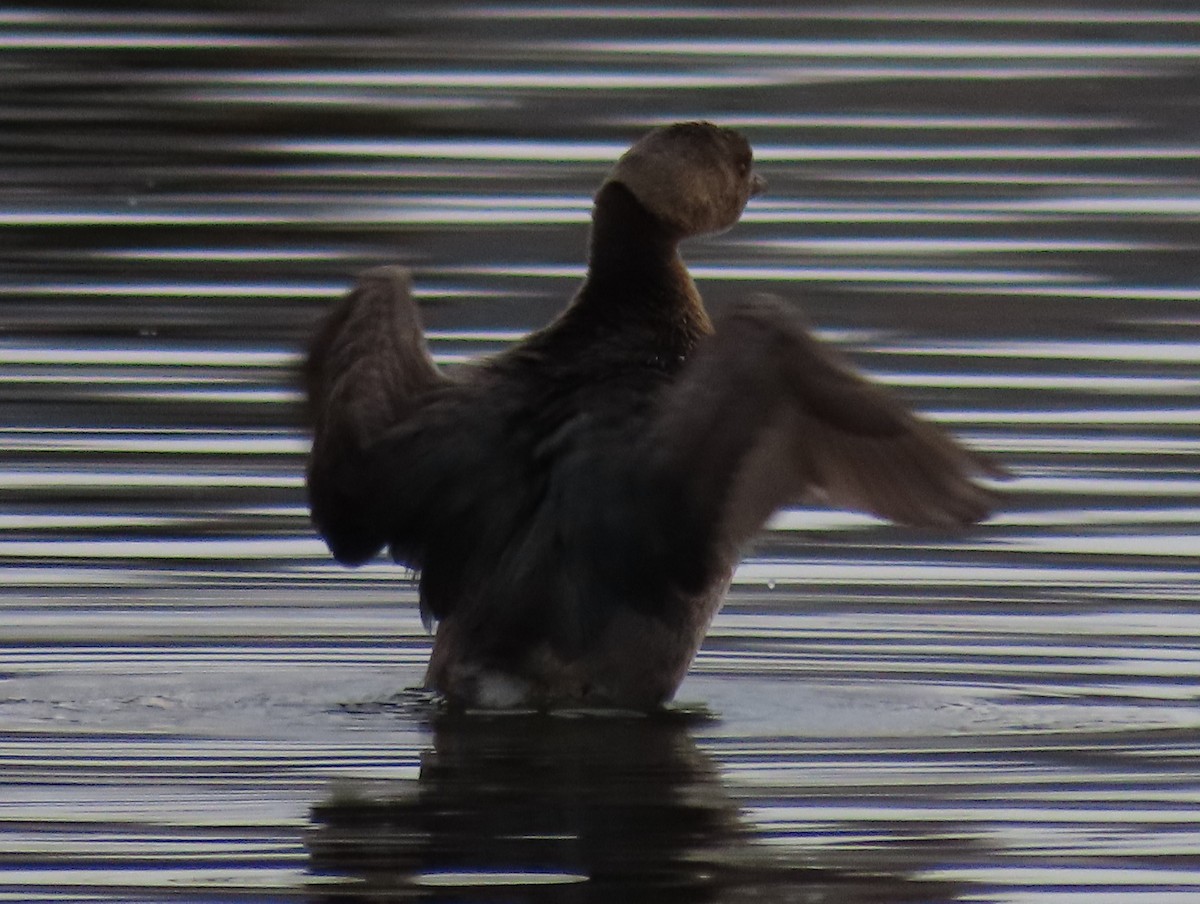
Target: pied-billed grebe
575 505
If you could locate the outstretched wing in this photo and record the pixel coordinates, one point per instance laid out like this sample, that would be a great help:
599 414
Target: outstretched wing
368 368
765 415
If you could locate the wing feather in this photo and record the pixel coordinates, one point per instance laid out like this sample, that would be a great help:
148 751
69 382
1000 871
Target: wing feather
766 415
368 369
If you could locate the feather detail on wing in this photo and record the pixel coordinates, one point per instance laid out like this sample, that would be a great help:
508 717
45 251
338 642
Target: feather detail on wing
765 415
367 369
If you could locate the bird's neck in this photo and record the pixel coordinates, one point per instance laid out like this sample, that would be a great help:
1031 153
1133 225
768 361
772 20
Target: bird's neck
634 267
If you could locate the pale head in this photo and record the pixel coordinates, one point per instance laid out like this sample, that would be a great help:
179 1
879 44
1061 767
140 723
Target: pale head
693 176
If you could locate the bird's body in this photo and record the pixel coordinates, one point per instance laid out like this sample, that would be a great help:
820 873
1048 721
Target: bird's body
576 504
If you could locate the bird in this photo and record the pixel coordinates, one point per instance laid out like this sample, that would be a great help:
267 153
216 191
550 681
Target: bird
574 506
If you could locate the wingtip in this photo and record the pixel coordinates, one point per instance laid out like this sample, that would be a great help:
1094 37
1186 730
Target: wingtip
985 467
996 471
397 274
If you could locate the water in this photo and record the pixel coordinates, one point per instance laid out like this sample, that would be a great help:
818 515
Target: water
995 210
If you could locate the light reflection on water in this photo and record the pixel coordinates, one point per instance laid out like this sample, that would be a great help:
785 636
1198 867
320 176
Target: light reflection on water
994 210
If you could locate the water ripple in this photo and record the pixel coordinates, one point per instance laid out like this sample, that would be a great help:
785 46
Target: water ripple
991 209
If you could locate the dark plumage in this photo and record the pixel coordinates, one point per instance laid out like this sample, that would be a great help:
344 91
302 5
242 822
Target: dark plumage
575 506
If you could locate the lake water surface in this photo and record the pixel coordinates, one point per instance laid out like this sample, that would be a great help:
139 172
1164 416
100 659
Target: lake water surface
995 209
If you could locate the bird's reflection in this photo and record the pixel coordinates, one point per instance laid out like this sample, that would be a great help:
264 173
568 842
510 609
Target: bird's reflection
584 808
